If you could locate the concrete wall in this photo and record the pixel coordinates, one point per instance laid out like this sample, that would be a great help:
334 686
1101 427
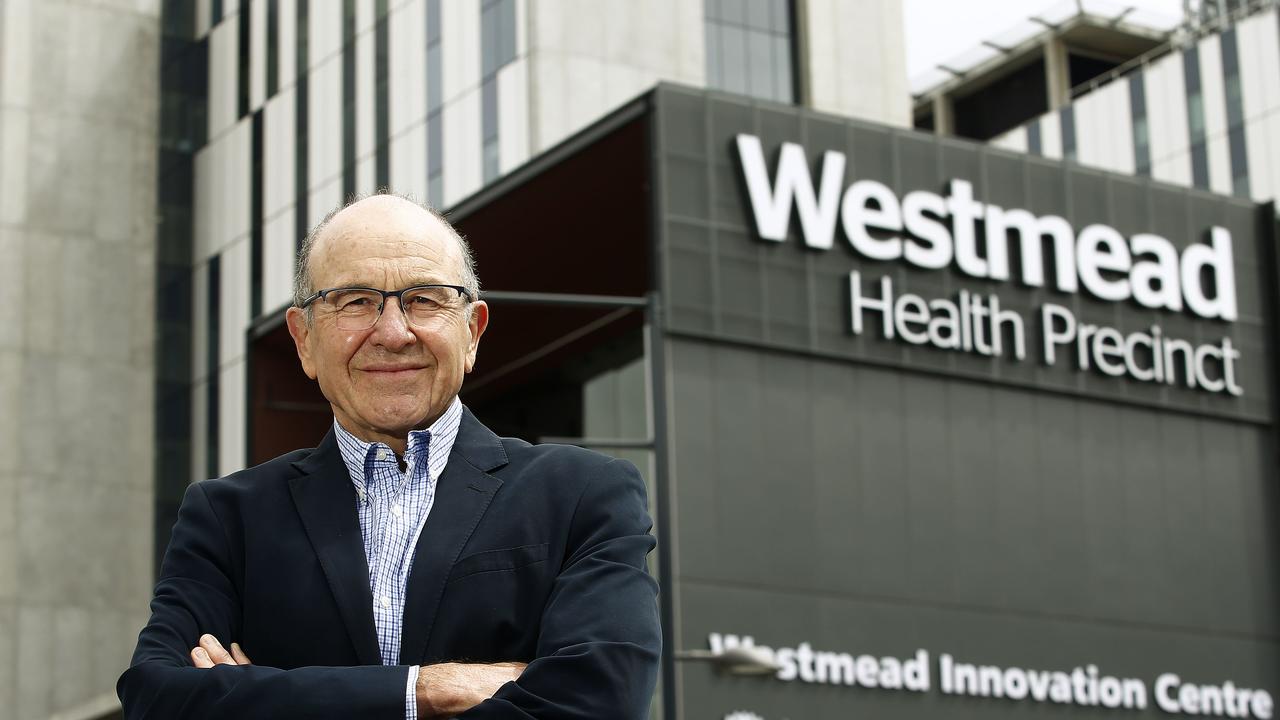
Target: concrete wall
856 57
588 57
77 259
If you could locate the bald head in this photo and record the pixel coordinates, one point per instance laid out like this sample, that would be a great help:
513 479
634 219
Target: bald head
375 215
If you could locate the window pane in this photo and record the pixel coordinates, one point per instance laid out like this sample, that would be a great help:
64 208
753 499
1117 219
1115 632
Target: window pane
435 144
491 159
507 32
433 20
733 12
783 77
489 109
749 48
759 62
435 190
734 56
715 65
781 10
489 41
434 73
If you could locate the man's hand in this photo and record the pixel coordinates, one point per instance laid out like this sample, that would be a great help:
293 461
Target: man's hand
210 652
447 689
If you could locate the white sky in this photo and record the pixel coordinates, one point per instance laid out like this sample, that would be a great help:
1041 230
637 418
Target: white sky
939 30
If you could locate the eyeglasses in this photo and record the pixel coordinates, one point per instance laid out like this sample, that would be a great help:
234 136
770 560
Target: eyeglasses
358 308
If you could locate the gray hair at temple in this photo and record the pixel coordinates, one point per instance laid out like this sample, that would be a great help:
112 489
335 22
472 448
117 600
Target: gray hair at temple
302 269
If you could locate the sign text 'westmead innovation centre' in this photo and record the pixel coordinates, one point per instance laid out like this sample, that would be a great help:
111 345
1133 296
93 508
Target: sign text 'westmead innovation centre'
1084 686
932 232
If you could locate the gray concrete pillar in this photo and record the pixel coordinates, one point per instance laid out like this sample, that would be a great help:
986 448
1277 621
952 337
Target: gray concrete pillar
78 118
1057 73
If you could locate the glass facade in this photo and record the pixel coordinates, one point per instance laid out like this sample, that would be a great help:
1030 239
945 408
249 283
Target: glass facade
1067 122
300 102
1235 114
750 48
497 48
184 78
1141 127
1195 118
348 98
435 105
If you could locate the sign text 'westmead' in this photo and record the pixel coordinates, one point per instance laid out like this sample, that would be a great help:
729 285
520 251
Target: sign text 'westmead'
933 232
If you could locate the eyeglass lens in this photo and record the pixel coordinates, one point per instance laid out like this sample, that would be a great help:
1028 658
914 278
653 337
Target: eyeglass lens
359 309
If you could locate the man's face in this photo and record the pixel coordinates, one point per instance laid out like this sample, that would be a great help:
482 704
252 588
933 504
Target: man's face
394 377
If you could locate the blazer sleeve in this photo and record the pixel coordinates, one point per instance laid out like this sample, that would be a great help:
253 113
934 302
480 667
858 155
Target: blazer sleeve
196 595
600 639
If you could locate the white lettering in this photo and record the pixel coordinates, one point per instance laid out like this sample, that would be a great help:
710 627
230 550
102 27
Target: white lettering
1216 258
857 216
792 185
921 214
1098 249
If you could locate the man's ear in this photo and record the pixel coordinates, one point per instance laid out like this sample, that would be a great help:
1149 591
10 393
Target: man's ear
476 323
300 331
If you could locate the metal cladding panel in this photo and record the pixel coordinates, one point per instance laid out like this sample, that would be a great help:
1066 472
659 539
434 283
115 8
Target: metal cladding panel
722 281
866 510
858 495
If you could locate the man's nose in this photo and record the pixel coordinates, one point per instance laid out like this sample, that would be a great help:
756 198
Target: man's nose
392 328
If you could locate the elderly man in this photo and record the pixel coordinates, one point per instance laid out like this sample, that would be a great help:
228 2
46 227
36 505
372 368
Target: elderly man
413 564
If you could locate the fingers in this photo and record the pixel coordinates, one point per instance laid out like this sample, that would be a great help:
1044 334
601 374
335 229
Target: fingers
237 654
200 658
210 652
217 653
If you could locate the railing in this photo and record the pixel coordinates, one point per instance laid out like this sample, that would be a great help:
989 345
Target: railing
1183 37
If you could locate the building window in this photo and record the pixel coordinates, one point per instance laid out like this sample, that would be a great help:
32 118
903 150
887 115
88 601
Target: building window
435 104
750 48
1235 114
497 48
382 101
273 47
1141 130
348 99
1067 122
1195 118
301 208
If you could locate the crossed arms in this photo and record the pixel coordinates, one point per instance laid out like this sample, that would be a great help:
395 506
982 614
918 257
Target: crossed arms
596 654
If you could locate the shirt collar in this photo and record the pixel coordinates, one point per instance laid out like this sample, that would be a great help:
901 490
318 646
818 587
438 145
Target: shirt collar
432 445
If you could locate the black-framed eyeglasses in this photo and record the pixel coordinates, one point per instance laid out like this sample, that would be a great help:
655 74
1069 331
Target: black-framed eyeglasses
358 308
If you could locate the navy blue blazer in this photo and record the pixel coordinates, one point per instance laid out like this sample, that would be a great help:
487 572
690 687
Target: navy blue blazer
532 553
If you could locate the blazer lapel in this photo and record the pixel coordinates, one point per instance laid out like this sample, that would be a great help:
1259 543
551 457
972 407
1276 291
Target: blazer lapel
463 494
326 501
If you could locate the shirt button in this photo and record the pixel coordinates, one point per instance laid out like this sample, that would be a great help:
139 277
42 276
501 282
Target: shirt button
382 454
397 511
386 601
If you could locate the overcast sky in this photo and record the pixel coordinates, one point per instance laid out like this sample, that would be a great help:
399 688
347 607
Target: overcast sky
938 30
